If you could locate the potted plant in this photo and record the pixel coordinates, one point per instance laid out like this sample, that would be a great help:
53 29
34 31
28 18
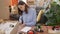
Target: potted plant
54 15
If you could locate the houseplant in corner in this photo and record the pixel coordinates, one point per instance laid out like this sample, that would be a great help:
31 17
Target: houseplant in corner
54 15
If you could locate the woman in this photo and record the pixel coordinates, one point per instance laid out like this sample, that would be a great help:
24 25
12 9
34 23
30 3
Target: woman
27 14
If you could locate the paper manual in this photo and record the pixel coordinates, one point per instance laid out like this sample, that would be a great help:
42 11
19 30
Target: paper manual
26 29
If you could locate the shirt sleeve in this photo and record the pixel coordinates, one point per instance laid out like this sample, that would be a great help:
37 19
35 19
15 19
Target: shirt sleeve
33 21
20 19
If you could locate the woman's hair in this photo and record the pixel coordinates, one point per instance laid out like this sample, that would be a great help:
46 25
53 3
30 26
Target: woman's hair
26 7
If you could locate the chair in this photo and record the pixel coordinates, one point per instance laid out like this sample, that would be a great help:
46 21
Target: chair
41 18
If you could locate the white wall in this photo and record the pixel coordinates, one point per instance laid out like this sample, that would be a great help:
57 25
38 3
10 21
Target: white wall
58 2
22 0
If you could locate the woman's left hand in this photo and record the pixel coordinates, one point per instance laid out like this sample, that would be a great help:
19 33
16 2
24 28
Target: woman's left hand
23 24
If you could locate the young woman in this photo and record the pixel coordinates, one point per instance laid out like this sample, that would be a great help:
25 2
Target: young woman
27 14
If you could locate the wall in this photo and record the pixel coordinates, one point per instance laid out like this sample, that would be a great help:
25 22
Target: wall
4 9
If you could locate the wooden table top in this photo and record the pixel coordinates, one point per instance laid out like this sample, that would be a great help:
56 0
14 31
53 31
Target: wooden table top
43 28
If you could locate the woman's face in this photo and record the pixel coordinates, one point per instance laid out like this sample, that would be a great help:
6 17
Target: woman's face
21 7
